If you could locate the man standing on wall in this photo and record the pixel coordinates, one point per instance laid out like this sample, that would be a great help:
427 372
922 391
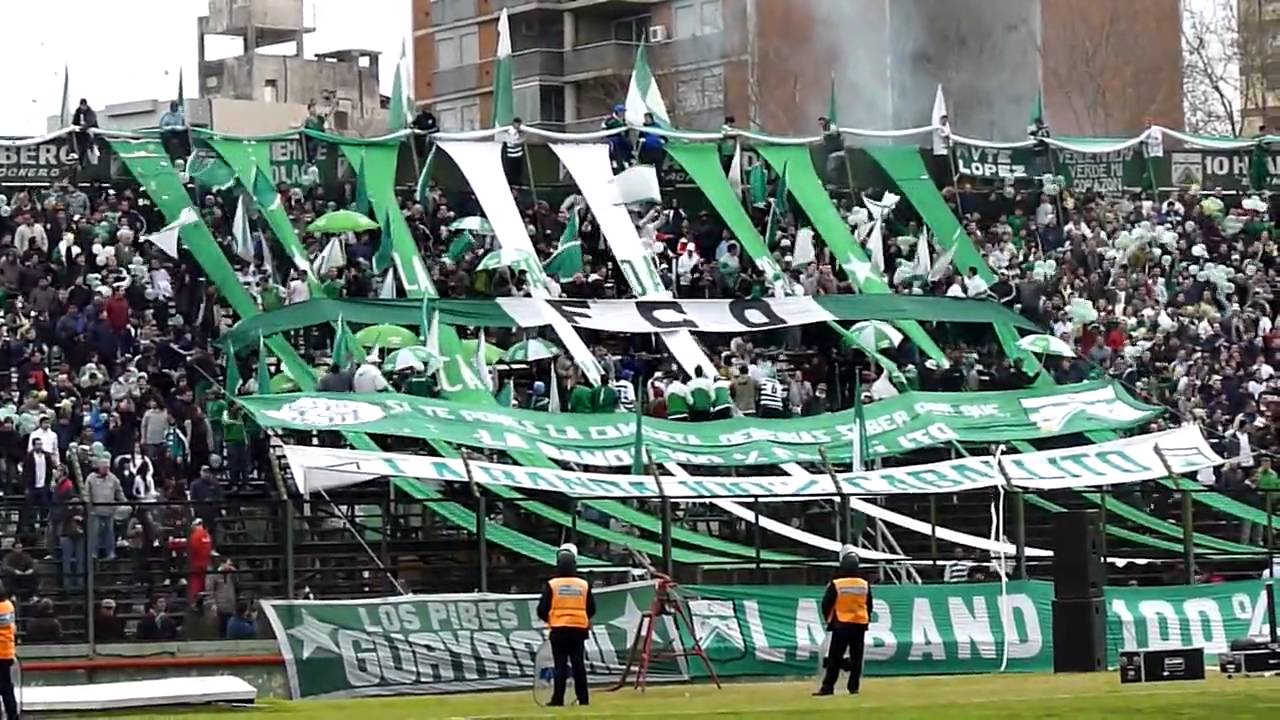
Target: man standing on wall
567 606
847 607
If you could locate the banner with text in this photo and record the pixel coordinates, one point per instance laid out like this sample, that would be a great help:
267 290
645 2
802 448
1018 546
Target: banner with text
892 426
1110 463
444 643
1206 616
1219 170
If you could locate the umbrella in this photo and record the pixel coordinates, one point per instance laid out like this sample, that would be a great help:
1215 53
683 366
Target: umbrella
1046 345
472 223
417 357
340 221
390 337
876 334
492 353
283 382
531 350
505 257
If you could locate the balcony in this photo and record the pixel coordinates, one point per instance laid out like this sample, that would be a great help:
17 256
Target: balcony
606 58
537 63
684 51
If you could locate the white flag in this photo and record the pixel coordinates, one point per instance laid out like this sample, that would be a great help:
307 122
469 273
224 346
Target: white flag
166 238
924 263
1153 142
388 289
433 344
883 387
334 255
941 125
803 254
875 247
268 262
553 391
943 263
879 209
482 365
735 170
241 232
638 183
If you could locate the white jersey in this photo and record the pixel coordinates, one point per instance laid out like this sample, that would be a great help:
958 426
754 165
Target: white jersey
626 395
771 395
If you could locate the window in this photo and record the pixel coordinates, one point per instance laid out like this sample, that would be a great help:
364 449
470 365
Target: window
539 103
270 91
697 17
457 47
632 29
459 115
700 90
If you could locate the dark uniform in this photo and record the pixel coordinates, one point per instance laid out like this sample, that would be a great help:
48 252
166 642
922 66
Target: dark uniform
8 654
567 607
847 607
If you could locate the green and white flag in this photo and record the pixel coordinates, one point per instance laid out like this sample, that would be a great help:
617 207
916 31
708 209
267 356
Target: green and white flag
566 261
503 91
387 291
166 238
400 112
942 125
384 258
644 95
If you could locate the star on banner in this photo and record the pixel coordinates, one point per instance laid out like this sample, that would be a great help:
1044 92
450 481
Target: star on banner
314 634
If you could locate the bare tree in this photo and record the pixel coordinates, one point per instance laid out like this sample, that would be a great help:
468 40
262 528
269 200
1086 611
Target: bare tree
1216 63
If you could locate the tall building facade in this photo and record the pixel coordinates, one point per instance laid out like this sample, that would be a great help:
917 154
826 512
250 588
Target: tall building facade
770 63
1258 27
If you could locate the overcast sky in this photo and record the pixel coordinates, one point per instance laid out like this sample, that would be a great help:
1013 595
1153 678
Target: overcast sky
123 50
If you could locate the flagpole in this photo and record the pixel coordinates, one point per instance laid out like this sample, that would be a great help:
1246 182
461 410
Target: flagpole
482 519
844 528
668 562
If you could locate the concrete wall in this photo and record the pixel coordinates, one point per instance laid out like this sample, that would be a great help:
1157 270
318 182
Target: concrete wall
247 117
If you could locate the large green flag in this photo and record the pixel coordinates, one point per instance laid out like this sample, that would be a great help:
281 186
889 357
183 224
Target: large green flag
346 349
383 258
459 246
503 92
400 111
566 261
777 209
264 372
1037 111
233 373
360 203
757 184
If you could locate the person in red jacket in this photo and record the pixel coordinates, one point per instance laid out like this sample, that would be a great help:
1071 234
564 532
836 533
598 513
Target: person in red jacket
199 554
117 309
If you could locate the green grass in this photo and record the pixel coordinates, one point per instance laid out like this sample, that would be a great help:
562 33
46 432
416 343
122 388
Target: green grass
1070 697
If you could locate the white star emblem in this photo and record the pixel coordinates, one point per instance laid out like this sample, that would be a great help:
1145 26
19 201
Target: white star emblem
314 634
629 620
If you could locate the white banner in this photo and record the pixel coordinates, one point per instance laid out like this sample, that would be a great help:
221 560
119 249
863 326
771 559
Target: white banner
1111 463
660 316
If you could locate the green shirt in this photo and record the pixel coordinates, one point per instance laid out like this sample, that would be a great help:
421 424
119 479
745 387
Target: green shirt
333 288
580 399
605 398
720 395
1268 480
272 298
233 429
214 410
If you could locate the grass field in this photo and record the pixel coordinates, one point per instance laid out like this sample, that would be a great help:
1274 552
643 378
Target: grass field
937 698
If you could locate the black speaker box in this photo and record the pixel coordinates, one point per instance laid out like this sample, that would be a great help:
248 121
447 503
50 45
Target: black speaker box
1079 635
1078 570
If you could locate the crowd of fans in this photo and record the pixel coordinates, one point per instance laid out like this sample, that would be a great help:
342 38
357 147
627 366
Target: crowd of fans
115 432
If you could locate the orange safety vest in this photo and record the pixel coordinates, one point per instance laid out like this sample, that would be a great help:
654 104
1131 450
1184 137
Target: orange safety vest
851 601
8 630
568 603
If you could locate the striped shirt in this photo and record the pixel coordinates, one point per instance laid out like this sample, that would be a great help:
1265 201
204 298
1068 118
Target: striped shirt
771 395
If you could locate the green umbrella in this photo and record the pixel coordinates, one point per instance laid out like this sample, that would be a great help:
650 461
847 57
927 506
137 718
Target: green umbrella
473 223
505 258
531 350
492 353
417 357
340 221
876 334
283 382
1041 344
389 337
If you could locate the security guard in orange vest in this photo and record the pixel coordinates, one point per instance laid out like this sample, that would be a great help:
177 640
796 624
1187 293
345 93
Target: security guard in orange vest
8 653
567 606
847 607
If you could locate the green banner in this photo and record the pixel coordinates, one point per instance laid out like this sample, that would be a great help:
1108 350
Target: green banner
53 161
895 425
444 643
1099 172
915 629
1219 169
1208 616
